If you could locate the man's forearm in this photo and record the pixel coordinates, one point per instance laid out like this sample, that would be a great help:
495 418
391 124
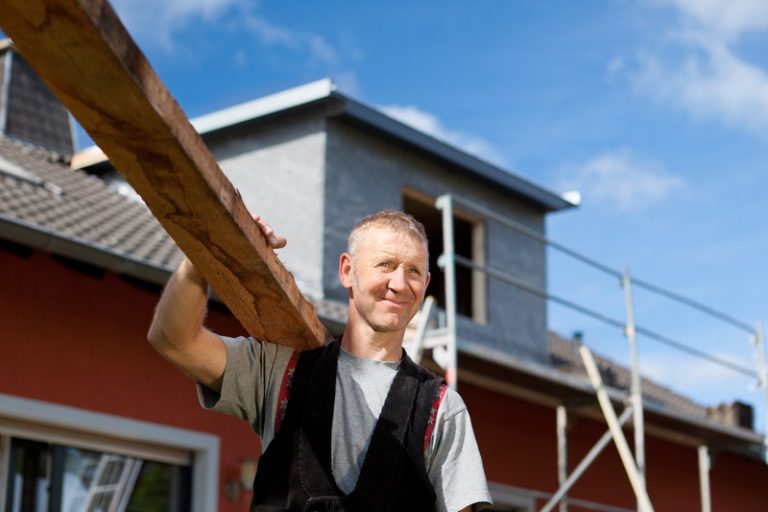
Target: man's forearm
177 330
181 310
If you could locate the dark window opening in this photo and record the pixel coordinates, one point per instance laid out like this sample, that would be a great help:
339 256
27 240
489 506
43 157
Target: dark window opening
463 229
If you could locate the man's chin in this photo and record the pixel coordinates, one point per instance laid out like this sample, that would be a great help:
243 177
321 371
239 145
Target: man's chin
389 325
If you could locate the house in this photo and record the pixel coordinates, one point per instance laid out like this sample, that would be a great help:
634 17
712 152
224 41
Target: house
87 409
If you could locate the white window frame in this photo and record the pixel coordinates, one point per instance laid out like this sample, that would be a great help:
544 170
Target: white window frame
71 426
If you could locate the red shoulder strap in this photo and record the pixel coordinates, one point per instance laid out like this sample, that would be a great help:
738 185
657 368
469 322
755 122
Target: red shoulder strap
285 389
433 414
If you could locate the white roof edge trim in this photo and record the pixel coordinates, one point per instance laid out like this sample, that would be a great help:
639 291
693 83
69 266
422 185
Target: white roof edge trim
229 116
277 102
87 157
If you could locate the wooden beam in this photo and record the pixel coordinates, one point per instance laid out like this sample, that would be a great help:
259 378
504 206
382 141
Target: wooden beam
87 58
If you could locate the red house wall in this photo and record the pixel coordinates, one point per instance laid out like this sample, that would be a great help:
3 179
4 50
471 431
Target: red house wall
518 441
80 340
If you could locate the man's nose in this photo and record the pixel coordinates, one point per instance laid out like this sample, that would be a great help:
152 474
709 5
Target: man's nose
397 280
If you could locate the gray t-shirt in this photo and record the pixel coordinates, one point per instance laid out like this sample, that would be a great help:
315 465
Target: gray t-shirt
250 391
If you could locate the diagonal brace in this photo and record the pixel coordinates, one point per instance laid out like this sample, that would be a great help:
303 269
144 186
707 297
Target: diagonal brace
635 479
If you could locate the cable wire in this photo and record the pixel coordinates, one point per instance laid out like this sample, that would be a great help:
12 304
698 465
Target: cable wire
703 308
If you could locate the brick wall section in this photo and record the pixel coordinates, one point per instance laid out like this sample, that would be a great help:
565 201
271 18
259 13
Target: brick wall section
278 169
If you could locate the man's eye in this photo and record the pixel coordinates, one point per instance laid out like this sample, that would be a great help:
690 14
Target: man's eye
415 271
385 265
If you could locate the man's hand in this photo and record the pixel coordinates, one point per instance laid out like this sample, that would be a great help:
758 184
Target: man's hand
274 241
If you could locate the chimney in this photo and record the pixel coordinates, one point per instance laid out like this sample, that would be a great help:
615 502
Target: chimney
29 112
736 414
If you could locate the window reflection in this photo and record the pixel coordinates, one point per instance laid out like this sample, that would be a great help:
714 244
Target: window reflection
67 479
29 478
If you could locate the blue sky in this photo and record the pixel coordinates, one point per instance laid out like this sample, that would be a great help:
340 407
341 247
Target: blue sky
656 110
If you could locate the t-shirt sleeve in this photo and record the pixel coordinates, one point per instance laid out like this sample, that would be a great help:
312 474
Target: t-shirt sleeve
454 465
251 382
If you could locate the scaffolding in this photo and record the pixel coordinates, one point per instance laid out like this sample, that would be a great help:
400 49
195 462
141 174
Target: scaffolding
443 341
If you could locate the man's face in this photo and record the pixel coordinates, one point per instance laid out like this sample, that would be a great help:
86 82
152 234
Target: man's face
387 278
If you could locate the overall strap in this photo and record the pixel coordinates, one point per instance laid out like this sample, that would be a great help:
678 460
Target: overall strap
316 420
398 431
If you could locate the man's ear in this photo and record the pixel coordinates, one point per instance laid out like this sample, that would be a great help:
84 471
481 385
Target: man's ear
345 270
429 276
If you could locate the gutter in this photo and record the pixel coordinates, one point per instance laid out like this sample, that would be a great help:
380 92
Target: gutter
102 256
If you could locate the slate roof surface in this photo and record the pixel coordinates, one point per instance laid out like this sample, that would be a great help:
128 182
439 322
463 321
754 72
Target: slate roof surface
33 112
565 358
79 206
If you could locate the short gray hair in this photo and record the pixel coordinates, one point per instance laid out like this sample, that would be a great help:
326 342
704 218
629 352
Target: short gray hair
396 220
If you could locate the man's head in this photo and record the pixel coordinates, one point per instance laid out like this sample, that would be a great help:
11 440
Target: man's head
396 221
386 270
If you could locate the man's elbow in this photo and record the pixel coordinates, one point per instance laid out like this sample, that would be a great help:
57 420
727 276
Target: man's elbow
157 338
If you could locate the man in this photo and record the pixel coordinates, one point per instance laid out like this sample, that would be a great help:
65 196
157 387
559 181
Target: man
354 425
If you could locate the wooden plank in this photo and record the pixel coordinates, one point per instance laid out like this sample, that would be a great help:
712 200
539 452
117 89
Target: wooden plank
85 55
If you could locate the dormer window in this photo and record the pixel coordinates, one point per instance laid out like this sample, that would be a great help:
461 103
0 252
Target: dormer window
469 242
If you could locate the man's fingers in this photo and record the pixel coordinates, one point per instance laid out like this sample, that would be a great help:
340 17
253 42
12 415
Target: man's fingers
274 241
277 242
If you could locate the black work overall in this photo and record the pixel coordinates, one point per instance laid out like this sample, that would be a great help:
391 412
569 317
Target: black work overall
294 473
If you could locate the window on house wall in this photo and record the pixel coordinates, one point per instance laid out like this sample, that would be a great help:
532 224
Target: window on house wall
468 232
44 477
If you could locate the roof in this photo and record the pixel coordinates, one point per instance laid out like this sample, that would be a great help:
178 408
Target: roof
76 212
347 108
565 358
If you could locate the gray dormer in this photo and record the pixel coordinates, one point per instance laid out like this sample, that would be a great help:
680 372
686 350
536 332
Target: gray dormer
29 112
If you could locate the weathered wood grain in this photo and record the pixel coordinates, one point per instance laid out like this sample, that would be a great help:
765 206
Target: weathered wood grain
87 58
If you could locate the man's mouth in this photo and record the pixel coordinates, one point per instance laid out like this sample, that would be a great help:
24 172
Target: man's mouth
399 304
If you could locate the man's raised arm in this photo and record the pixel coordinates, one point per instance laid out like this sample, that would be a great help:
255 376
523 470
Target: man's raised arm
177 330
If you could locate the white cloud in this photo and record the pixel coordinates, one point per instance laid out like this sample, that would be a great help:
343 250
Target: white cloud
695 66
620 181
710 81
690 373
206 9
269 33
347 82
159 22
430 124
726 18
